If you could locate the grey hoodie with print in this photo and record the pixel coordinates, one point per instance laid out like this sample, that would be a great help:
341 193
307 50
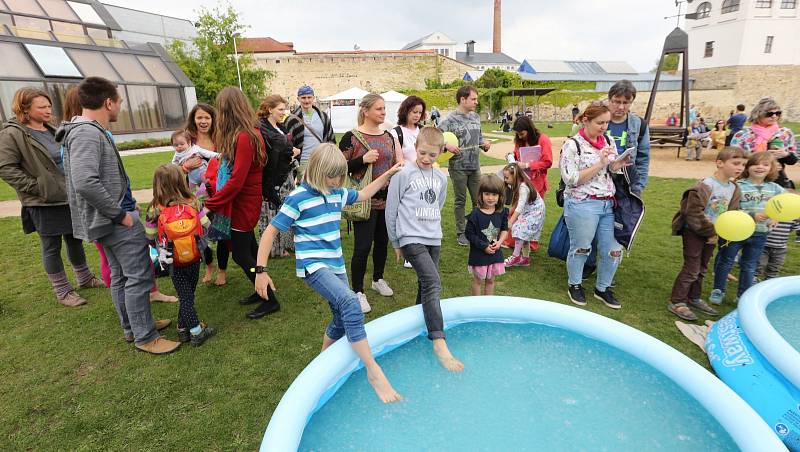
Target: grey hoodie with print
414 206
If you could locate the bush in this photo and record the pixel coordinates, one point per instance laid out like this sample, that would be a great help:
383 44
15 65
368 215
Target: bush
141 144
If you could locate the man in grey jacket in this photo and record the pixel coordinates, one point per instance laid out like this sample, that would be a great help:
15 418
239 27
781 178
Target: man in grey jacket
465 166
96 184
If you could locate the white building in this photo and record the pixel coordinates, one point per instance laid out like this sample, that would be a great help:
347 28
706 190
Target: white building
743 33
436 41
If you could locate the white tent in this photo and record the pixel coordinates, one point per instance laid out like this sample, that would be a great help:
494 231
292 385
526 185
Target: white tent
393 100
344 109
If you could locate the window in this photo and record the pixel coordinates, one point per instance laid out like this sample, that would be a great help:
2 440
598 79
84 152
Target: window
67 28
58 9
145 107
704 10
7 91
58 93
788 4
5 19
768 44
172 103
93 63
86 13
32 23
123 122
25 7
23 67
97 32
709 50
129 68
158 70
53 61
763 3
729 6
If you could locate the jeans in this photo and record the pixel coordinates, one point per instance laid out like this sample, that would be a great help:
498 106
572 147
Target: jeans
347 316
365 233
462 182
586 220
751 250
131 280
425 260
696 254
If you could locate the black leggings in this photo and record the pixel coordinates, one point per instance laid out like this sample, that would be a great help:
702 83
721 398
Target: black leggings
245 249
51 252
185 281
365 233
222 255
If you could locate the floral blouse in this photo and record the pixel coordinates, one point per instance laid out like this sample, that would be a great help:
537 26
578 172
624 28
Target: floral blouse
571 164
746 139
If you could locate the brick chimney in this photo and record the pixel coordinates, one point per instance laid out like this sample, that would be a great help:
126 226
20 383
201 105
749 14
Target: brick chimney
470 48
498 29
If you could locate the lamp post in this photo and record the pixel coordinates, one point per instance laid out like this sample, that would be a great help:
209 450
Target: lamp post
236 57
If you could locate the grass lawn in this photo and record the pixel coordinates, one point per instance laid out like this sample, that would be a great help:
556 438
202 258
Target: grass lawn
70 382
558 129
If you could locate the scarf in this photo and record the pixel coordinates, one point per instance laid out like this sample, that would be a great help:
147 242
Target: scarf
763 134
598 143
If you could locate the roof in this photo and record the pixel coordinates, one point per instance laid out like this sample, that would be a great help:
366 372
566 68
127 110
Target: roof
422 40
578 67
472 76
264 45
367 52
352 93
571 76
393 96
485 58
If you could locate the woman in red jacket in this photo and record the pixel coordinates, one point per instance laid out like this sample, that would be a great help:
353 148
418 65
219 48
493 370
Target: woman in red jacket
238 195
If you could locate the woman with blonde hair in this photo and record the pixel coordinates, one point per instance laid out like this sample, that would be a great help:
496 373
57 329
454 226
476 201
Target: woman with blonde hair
238 195
369 148
31 162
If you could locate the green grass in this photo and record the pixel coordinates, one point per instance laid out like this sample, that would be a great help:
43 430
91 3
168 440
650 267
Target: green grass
71 383
558 129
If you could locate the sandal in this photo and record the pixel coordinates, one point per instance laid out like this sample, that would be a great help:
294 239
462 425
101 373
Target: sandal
682 311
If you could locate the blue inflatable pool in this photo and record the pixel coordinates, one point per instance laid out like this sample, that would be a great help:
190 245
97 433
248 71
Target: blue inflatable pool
757 362
319 382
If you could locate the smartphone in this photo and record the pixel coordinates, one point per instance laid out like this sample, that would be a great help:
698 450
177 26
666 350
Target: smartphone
625 154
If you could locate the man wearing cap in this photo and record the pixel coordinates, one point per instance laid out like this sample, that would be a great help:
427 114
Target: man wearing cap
308 125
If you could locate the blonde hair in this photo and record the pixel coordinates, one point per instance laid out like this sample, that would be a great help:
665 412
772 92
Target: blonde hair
169 187
270 102
366 103
326 161
432 137
23 99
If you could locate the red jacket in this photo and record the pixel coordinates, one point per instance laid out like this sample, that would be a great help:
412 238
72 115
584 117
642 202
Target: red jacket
537 171
241 195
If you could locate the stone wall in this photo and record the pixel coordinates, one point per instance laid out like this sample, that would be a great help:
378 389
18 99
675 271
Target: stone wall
330 73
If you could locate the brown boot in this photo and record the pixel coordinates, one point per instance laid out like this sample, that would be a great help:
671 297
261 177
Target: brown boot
159 346
94 283
161 324
72 299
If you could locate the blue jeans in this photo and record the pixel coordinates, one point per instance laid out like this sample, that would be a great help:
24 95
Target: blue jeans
751 250
586 220
347 316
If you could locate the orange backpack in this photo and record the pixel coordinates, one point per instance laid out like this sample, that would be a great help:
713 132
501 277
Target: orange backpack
179 225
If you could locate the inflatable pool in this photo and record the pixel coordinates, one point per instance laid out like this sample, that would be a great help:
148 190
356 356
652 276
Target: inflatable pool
751 355
710 415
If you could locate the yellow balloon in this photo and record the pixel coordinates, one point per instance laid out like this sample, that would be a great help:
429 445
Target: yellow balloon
783 207
443 157
735 226
450 138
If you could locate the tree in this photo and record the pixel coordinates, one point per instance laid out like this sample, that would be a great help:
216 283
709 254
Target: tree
210 65
498 78
670 63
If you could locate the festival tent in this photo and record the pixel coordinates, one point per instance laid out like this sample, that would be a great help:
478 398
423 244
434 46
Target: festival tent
344 109
393 100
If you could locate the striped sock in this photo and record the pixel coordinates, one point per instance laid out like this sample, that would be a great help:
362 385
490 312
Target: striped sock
83 274
61 285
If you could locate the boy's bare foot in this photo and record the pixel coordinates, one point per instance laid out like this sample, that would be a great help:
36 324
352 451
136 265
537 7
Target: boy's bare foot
163 298
221 278
381 385
446 358
209 274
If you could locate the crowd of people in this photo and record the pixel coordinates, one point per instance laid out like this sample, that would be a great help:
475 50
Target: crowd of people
238 172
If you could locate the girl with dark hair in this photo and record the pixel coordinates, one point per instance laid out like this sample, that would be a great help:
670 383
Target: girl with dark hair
526 134
409 117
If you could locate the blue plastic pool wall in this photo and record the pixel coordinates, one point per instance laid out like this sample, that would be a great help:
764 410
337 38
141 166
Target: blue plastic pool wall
326 373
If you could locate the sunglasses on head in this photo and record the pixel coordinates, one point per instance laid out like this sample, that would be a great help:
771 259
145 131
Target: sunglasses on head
770 114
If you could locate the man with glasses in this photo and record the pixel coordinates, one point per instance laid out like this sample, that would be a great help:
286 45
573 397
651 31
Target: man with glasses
628 131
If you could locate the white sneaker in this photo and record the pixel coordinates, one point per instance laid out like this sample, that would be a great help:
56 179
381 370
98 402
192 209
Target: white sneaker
382 288
407 264
362 300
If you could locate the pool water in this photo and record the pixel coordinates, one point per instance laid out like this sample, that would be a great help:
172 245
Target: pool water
526 386
784 315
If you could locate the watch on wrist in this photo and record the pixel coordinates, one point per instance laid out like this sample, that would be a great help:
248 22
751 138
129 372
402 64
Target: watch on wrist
259 269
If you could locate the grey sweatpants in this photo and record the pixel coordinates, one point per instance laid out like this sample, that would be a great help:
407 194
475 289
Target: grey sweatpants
131 280
425 260
771 262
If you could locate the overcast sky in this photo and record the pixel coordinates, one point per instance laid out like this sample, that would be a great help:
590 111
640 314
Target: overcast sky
627 30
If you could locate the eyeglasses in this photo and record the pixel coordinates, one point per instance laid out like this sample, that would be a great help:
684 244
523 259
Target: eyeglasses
770 114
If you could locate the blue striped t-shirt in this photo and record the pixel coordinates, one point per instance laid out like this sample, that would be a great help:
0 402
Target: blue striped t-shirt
315 218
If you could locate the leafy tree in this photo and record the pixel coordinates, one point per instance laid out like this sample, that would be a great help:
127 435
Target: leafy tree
210 65
670 63
498 78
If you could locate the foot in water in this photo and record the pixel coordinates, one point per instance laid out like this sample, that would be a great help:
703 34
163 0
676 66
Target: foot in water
446 358
381 385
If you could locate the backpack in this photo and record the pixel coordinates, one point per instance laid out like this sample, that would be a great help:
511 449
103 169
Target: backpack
179 226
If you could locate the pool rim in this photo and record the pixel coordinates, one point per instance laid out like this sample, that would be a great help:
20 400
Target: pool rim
756 325
327 371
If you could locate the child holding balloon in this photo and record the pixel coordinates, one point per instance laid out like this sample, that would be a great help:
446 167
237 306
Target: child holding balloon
757 188
701 205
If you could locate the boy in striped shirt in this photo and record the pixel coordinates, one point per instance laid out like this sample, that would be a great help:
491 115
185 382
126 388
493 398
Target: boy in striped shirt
775 250
314 211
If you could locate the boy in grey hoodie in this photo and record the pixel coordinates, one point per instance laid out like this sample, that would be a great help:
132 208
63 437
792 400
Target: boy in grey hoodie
414 224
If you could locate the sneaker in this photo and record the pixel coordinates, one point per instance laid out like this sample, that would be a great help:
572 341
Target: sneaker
703 307
199 338
94 283
159 346
72 299
382 288
407 264
682 311
607 298
524 262
184 336
362 300
462 240
717 297
513 261
576 294
266 308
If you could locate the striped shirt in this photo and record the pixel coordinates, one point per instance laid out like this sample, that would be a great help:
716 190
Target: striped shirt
779 235
315 218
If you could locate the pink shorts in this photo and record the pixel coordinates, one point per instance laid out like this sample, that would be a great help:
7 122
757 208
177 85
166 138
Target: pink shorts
484 272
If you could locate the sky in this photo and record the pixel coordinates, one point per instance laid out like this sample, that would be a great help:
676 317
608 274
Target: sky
618 30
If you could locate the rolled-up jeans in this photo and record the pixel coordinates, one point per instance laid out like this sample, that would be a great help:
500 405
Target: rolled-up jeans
588 219
347 316
425 261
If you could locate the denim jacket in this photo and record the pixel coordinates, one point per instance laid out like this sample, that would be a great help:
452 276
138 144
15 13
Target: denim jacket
641 156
